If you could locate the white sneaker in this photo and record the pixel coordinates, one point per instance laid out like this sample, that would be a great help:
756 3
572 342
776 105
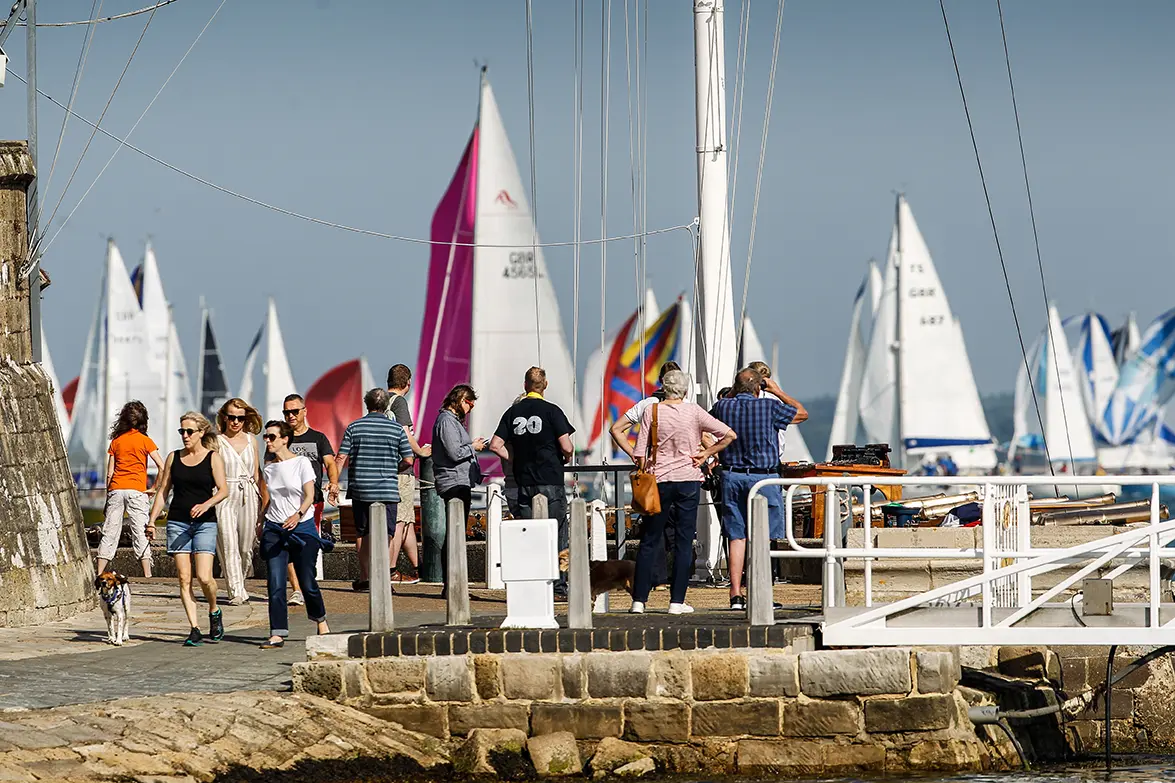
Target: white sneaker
637 608
680 609
296 599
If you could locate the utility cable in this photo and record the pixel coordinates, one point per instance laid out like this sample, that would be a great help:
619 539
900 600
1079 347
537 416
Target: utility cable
1035 234
92 22
328 223
995 232
95 9
118 149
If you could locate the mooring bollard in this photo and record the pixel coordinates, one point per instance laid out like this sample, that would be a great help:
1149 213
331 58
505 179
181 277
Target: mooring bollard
760 602
538 507
432 526
494 502
579 577
379 607
599 546
457 582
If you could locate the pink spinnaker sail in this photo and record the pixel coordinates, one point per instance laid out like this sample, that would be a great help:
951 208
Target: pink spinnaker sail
447 330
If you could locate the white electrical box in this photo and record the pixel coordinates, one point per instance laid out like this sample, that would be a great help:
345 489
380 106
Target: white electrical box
530 566
530 550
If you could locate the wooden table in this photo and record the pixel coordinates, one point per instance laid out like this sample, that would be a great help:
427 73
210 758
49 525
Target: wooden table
892 492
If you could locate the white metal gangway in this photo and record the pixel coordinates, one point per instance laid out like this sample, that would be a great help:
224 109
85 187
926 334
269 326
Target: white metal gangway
998 605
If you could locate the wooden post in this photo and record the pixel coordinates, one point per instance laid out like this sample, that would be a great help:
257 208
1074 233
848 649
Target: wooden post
457 582
579 578
379 610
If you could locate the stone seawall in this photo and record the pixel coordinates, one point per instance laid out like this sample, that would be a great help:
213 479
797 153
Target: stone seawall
787 711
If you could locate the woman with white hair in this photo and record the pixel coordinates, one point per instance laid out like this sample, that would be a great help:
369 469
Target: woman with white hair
670 443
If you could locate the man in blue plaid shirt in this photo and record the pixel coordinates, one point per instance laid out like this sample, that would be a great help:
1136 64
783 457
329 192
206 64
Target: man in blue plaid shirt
749 459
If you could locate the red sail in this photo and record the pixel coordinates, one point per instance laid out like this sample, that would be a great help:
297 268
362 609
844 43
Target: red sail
68 394
335 400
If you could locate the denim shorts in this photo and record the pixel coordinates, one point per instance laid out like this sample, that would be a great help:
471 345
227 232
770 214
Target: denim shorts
191 537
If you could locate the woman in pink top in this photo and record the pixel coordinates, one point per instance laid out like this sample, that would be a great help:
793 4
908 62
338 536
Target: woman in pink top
676 458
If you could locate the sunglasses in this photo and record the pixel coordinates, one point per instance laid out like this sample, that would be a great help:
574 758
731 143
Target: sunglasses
270 437
292 411
184 431
231 417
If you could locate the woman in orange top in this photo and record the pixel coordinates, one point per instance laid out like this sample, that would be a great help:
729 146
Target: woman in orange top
126 484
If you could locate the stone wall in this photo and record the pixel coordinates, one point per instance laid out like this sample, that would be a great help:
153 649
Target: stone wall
778 711
45 570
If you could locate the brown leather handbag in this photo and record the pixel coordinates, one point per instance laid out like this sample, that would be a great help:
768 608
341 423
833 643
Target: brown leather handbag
646 498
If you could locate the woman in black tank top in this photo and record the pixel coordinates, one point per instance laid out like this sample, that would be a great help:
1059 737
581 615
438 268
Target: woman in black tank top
195 477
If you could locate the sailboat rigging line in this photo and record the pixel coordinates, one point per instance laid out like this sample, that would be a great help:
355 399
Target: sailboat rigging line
577 229
94 22
605 101
534 208
1032 216
644 103
759 175
740 84
633 152
328 223
37 250
95 9
995 232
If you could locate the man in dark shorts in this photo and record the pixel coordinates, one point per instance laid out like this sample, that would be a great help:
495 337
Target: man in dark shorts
315 446
375 448
533 440
399 383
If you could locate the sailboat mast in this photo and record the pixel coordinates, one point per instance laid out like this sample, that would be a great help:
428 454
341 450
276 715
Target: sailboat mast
899 448
717 351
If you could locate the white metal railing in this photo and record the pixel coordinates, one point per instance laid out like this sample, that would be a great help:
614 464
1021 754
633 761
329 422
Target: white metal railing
1006 604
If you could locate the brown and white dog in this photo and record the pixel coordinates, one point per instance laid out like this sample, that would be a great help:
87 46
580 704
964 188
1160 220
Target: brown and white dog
605 575
115 593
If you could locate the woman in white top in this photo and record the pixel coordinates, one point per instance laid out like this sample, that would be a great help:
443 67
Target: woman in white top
236 517
289 535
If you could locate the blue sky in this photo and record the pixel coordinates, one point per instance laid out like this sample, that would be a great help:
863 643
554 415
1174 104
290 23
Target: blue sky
357 112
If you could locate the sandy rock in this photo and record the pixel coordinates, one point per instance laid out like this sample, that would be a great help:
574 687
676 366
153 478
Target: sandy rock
613 753
636 769
555 754
491 752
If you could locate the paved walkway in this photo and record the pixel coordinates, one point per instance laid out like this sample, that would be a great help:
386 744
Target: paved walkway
69 662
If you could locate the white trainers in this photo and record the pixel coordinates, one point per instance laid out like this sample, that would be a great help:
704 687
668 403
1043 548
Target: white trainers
296 599
637 608
680 609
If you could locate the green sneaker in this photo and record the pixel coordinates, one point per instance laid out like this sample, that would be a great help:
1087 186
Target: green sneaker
216 625
195 638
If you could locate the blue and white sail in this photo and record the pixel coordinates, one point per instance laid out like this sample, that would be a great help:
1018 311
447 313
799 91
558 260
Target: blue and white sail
1054 386
1146 383
1126 339
1097 370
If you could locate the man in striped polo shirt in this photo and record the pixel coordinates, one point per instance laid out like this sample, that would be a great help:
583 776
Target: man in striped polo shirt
374 449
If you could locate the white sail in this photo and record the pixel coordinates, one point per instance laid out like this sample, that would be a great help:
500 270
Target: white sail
58 401
935 402
516 321
845 419
1093 356
1126 339
251 355
165 355
114 371
279 380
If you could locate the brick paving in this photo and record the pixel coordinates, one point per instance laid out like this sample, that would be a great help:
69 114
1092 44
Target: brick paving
69 662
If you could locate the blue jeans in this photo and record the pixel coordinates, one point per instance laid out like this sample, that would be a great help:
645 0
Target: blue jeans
736 489
280 547
679 513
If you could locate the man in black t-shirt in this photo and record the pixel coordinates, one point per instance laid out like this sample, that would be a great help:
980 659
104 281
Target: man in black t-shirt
314 446
533 440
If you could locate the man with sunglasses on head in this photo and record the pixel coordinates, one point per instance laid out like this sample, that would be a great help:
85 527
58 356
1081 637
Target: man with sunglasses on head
315 446
399 382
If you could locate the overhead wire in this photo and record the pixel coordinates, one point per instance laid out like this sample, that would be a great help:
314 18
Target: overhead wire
95 9
328 223
118 149
534 210
92 22
577 201
644 113
1032 216
44 227
994 230
759 174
